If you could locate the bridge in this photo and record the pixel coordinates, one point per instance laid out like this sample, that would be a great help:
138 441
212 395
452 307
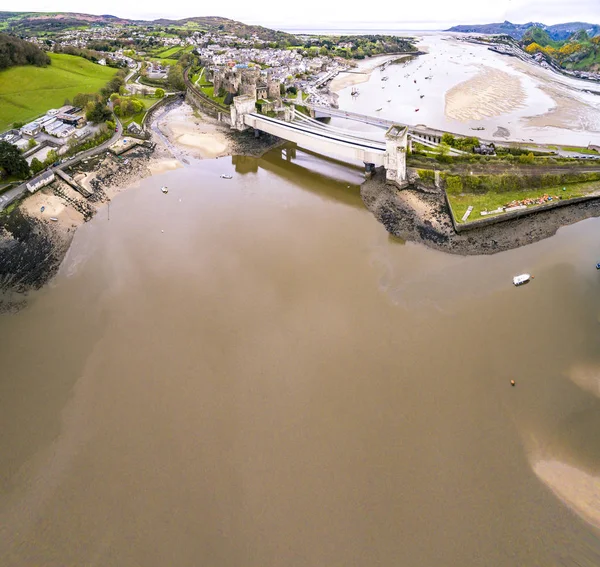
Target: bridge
318 137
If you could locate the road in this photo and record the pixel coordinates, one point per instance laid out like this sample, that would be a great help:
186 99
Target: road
16 192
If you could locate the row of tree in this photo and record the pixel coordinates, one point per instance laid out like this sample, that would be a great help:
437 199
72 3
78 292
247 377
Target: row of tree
15 51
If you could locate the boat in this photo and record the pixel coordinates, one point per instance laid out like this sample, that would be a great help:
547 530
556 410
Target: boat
478 128
225 176
422 96
598 266
378 109
164 189
53 219
416 110
522 279
354 91
390 100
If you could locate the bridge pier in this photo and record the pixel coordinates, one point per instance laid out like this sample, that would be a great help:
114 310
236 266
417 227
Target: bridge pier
396 140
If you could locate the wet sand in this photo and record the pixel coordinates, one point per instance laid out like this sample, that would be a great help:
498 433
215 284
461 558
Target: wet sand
361 73
199 136
490 93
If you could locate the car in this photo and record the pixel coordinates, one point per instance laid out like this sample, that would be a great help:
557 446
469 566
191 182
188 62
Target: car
116 129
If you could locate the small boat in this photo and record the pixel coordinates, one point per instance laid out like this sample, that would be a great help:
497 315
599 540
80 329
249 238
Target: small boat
164 189
53 219
416 110
225 176
522 279
390 100
415 81
598 266
422 96
378 109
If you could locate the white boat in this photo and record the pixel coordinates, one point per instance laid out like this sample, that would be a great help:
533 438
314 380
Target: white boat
520 280
225 176
164 189
53 219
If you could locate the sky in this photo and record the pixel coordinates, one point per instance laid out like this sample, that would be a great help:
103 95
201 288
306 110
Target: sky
342 14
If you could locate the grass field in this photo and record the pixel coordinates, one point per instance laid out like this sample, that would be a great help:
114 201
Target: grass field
148 102
492 200
27 92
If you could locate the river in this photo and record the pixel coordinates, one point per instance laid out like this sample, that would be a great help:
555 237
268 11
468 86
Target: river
458 86
253 372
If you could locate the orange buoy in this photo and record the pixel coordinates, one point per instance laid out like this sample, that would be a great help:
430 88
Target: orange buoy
512 382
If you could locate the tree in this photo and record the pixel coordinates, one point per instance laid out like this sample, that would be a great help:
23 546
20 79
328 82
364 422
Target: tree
36 165
159 93
12 161
110 125
99 112
32 143
175 78
51 158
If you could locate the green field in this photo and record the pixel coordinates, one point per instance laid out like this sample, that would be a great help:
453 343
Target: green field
148 101
27 92
492 200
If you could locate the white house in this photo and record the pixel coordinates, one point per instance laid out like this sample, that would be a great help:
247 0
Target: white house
40 181
102 61
31 129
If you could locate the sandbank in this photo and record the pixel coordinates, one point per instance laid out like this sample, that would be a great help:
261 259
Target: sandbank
490 93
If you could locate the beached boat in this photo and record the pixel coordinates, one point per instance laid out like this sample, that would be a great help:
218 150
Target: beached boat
522 279
164 189
53 219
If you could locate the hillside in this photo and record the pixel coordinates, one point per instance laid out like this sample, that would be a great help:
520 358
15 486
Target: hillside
37 22
26 91
557 32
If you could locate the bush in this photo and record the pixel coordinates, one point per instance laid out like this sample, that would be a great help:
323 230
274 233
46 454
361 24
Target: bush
36 165
454 184
426 175
159 93
527 159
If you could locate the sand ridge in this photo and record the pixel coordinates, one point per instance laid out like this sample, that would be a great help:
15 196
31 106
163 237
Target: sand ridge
490 93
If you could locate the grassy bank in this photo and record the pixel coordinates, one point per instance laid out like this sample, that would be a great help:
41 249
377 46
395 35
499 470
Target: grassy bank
492 200
28 92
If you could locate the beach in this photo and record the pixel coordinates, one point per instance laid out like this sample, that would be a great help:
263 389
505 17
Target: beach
490 93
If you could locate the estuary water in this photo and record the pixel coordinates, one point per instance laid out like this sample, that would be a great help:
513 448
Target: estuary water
252 372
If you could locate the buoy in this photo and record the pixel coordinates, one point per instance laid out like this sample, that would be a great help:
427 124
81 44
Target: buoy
162 230
532 277
512 382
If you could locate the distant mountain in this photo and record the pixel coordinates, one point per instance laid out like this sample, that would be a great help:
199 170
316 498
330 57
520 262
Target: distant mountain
36 22
557 32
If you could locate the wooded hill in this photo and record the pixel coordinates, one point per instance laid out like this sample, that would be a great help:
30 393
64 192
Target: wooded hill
15 51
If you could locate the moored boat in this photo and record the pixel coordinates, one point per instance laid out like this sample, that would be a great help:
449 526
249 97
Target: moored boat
521 279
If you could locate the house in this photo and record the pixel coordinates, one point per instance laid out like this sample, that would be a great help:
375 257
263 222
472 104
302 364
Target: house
102 61
31 129
40 181
70 119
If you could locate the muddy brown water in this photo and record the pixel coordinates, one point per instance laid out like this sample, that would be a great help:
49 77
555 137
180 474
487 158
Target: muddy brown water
251 372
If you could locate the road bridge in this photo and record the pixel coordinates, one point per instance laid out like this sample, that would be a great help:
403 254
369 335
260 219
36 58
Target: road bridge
389 153
422 131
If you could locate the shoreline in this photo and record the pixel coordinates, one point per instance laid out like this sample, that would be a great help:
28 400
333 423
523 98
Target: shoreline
353 77
33 245
422 216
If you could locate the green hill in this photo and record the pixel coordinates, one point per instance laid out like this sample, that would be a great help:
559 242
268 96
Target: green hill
539 36
27 92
